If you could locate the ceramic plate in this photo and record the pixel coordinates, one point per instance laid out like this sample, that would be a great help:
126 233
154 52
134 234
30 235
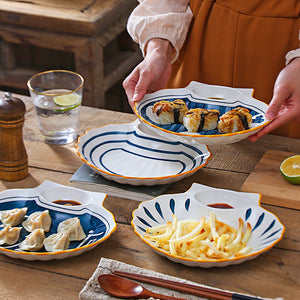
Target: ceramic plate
267 230
198 95
130 154
97 222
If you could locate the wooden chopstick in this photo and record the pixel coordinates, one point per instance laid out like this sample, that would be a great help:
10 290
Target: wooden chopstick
196 290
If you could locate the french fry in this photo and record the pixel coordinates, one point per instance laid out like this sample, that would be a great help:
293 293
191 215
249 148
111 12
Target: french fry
212 222
187 237
201 240
164 236
247 234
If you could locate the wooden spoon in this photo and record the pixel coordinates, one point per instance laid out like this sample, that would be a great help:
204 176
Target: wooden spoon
125 288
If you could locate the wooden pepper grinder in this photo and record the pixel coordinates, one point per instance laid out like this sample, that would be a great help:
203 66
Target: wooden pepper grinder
13 156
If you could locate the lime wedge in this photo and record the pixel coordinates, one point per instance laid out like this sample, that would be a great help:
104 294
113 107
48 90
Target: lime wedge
290 169
67 100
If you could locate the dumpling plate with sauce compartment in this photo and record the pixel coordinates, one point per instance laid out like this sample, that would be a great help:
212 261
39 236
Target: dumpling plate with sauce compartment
199 201
199 95
63 202
131 154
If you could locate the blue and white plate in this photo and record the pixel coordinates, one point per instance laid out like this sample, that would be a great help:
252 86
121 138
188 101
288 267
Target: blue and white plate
130 154
199 95
97 222
267 230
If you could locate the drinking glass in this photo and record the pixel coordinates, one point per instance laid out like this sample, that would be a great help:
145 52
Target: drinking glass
57 96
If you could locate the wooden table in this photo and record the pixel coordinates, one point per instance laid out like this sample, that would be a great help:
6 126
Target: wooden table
275 273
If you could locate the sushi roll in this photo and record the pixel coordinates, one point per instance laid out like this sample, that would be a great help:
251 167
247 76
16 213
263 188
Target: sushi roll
199 119
169 112
237 119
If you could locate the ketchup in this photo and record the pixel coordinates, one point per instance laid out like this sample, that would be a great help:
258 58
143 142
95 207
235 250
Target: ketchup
220 205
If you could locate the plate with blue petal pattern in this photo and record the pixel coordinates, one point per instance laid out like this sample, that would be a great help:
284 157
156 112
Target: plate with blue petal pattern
131 154
62 202
199 95
267 230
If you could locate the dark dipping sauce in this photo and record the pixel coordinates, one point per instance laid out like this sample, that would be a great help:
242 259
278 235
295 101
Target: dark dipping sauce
220 205
67 202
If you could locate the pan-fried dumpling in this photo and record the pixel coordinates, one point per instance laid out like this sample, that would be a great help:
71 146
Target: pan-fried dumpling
57 241
9 235
73 227
38 219
13 217
33 241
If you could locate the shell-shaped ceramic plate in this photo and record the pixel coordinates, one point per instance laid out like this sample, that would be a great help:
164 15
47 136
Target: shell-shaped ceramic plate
97 222
129 154
267 230
199 95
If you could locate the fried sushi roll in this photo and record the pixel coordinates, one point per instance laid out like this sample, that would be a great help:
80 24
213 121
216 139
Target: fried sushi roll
199 119
170 112
237 119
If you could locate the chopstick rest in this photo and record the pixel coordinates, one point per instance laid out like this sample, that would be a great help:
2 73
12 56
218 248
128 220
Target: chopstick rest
201 291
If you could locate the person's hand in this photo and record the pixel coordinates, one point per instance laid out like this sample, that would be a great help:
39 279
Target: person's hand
152 73
285 104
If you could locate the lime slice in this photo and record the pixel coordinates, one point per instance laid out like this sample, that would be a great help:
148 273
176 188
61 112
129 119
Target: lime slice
290 169
70 100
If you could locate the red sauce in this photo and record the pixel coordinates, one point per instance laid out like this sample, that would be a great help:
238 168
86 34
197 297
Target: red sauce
220 205
67 202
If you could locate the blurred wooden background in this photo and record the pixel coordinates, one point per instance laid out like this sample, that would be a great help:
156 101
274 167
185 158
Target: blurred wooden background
86 36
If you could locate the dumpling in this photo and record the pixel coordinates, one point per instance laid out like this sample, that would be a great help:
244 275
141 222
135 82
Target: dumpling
9 235
13 217
73 227
33 241
57 242
38 219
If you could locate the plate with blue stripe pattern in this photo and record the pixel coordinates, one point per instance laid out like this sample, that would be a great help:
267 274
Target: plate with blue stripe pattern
199 95
131 154
266 228
62 202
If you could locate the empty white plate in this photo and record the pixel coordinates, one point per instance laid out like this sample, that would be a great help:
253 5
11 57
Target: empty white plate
129 154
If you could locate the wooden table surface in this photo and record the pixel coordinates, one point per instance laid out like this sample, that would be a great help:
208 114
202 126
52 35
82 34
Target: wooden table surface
275 273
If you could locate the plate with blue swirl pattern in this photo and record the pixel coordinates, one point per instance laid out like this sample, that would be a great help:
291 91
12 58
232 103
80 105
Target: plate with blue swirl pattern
199 201
199 95
131 154
62 202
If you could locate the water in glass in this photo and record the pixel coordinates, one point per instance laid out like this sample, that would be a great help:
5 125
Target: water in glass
58 124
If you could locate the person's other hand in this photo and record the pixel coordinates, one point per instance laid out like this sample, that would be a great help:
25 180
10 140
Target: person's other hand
285 104
152 73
